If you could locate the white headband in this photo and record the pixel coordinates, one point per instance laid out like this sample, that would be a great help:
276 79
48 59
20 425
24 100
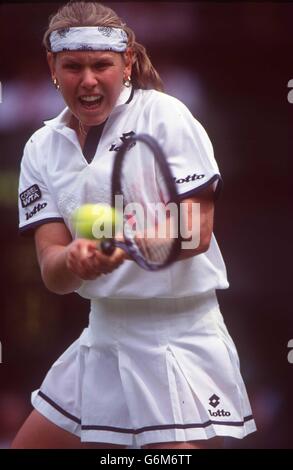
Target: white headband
89 38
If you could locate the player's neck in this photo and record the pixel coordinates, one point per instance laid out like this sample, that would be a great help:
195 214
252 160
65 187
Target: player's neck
80 129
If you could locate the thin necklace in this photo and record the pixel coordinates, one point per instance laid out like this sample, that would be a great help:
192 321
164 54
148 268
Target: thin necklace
81 129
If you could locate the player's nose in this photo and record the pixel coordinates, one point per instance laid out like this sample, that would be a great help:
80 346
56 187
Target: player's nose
89 79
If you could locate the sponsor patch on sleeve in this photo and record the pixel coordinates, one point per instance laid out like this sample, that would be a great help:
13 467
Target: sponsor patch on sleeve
30 195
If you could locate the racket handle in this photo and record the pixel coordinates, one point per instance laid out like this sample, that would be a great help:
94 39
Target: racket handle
107 247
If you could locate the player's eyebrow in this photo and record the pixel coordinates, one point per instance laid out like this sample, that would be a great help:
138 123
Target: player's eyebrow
80 59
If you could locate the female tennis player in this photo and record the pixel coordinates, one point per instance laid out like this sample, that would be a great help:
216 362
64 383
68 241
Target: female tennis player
156 367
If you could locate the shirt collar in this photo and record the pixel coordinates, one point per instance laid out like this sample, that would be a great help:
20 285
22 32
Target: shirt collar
124 96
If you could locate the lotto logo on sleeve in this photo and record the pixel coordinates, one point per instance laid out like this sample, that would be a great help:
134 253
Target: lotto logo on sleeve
30 195
188 178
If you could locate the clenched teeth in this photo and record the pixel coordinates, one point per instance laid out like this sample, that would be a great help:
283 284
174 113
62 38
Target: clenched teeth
90 99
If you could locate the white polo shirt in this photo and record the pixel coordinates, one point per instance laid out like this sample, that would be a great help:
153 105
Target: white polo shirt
56 178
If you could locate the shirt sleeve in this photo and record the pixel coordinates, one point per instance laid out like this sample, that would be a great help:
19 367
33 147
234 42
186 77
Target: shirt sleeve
35 203
187 147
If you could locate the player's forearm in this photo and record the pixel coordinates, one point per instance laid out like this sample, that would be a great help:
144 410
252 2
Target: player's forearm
56 275
196 245
190 252
200 232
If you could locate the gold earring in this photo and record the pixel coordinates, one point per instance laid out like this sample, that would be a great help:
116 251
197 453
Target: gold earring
56 84
127 81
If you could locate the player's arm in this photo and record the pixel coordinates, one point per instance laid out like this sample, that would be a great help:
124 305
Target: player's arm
205 199
65 263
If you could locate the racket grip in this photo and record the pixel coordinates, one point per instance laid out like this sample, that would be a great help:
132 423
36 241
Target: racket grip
107 247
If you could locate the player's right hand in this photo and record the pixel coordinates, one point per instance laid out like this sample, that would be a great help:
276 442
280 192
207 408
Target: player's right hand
84 260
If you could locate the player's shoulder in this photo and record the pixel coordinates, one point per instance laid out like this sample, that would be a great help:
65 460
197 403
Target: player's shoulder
164 105
38 137
36 147
41 137
171 115
168 110
160 98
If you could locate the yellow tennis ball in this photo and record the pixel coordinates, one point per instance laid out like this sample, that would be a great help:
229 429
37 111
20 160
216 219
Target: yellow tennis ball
94 221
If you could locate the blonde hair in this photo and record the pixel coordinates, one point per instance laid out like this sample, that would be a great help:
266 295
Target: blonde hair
144 75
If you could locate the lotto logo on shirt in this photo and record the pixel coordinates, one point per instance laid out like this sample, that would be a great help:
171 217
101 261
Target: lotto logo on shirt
188 178
30 195
35 210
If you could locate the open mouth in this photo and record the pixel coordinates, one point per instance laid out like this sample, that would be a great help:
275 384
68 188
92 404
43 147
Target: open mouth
90 101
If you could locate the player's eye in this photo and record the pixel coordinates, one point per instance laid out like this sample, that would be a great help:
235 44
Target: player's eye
71 66
102 65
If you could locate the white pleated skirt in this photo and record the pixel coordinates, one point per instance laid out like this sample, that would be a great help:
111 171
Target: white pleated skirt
147 371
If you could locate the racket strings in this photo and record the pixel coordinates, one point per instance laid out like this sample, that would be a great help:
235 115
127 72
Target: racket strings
148 226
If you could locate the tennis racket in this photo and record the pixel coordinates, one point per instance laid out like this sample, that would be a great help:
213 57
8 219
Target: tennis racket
144 189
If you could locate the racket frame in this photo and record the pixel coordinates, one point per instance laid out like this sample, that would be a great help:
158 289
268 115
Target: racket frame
116 189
